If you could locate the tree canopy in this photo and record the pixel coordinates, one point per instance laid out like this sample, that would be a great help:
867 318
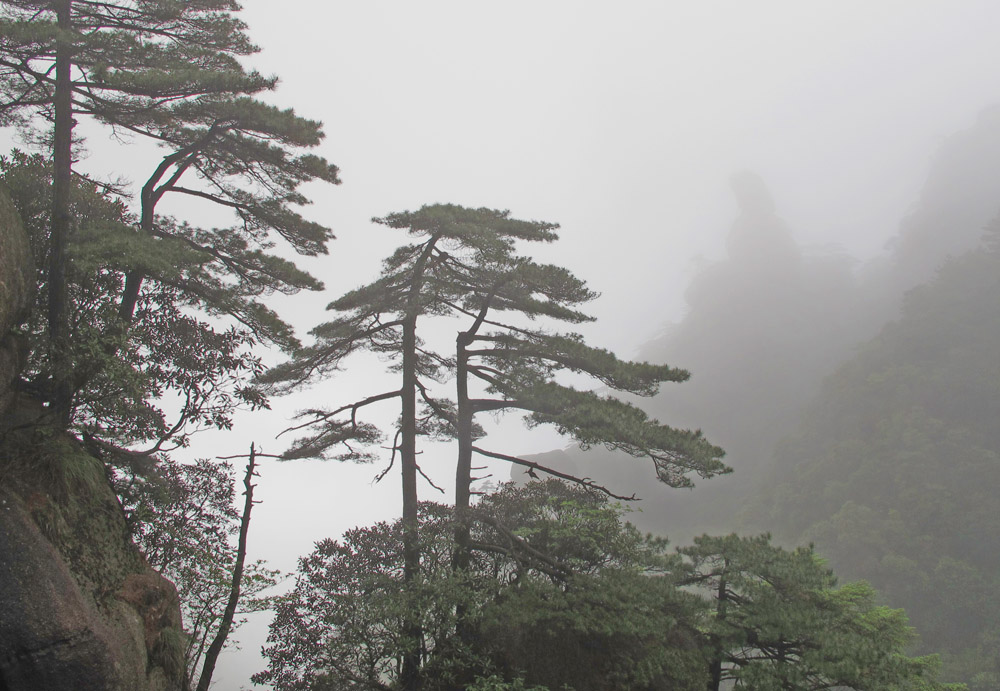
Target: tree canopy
168 71
891 472
466 265
126 383
561 591
146 327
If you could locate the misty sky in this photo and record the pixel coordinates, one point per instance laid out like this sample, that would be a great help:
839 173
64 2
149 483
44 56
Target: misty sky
620 121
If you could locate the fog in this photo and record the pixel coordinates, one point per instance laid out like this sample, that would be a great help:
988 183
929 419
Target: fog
706 161
768 322
625 127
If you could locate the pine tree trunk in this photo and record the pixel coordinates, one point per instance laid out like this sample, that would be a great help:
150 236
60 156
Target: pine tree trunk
463 470
463 482
410 674
466 411
62 171
135 277
149 197
715 666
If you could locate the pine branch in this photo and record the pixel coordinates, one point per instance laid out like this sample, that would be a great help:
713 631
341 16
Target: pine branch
532 466
353 407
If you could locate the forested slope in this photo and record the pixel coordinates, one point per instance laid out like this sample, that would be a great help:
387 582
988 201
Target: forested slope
893 473
887 397
769 321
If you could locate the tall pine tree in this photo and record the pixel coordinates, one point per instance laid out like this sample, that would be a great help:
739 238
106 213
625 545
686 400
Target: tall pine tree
382 317
170 71
465 263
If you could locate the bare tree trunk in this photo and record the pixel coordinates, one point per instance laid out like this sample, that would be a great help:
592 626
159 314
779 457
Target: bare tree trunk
208 668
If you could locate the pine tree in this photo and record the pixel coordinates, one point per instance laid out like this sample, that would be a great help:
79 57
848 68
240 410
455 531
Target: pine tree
519 363
126 382
168 70
382 317
519 366
465 264
778 621
243 154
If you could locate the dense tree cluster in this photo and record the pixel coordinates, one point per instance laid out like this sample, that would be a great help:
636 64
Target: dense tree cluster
146 328
171 371
896 461
169 72
560 592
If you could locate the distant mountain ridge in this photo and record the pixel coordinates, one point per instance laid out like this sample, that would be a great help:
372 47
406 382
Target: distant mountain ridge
767 324
855 418
894 472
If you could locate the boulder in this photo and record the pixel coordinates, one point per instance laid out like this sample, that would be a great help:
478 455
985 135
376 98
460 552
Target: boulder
79 606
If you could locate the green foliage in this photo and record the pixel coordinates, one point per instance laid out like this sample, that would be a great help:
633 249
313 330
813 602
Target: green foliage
183 520
151 321
560 593
892 474
466 264
518 363
168 71
620 630
130 58
569 352
532 617
246 155
592 419
579 529
343 625
170 372
496 683
375 316
170 652
778 622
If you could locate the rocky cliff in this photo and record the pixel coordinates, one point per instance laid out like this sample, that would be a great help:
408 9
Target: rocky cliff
79 607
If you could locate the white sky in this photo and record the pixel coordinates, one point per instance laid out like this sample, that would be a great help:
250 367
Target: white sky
621 121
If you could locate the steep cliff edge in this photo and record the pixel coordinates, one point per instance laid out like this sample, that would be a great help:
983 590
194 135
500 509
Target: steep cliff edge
79 607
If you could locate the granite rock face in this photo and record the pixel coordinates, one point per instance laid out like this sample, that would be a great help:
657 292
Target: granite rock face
79 606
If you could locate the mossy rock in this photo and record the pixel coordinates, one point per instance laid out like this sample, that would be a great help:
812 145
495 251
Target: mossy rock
81 609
